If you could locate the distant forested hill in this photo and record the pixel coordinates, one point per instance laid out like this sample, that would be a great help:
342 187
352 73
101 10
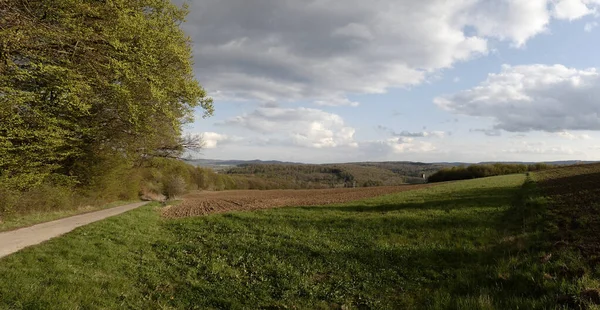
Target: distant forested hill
294 175
258 174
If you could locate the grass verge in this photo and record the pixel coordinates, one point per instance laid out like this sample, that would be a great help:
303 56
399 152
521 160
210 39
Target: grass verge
15 221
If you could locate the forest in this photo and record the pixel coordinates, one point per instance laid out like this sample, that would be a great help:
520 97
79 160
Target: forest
364 174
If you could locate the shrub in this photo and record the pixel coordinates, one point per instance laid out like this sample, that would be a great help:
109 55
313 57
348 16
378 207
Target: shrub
174 186
7 201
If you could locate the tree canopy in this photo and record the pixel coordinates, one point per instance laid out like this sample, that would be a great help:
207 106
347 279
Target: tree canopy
82 80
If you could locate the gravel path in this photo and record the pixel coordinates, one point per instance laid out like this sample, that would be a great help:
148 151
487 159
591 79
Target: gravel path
13 241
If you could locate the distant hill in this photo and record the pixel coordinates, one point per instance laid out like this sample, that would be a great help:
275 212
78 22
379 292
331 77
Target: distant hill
212 163
299 175
553 163
328 175
361 174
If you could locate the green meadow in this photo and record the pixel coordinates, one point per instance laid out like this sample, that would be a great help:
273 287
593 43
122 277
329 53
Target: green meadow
471 244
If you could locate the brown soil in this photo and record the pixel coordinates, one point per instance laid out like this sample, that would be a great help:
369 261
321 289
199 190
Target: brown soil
204 203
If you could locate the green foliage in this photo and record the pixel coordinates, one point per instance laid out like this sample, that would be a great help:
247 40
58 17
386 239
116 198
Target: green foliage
86 83
174 186
482 171
115 180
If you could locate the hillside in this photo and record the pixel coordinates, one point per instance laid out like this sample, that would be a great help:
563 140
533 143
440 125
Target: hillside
291 175
337 175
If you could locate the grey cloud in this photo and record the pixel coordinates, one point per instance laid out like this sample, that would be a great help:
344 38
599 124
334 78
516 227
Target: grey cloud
420 134
533 98
270 104
296 50
322 51
411 134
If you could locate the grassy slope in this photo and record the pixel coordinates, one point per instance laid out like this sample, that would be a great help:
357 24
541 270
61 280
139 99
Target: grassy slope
473 244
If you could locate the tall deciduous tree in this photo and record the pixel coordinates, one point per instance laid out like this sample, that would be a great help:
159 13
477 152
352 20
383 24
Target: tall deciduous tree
82 79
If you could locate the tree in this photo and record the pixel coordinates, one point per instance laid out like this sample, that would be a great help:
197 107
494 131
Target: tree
83 80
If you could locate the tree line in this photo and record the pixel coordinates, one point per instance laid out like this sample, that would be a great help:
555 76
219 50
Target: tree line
482 171
329 175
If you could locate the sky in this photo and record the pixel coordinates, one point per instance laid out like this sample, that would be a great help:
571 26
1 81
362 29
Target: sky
322 81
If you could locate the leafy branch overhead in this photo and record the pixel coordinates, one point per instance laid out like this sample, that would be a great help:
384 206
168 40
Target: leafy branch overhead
81 80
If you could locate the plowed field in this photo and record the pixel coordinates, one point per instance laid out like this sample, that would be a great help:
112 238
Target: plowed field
203 203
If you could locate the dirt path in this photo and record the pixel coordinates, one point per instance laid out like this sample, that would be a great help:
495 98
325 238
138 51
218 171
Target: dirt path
13 241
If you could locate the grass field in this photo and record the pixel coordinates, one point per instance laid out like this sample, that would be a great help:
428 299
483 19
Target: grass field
479 244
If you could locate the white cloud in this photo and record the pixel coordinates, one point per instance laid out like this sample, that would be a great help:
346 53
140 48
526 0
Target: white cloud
212 139
533 97
573 9
589 26
570 136
298 126
288 50
512 20
410 146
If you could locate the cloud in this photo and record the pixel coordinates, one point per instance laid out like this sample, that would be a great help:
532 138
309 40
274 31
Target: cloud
213 139
533 97
336 102
400 145
536 149
288 50
589 26
297 126
415 134
573 9
421 134
512 20
570 136
396 145
488 132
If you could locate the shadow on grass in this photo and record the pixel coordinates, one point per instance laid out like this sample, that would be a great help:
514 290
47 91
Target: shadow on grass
574 204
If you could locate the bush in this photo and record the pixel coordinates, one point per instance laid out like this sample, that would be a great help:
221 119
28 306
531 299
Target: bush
174 186
7 201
